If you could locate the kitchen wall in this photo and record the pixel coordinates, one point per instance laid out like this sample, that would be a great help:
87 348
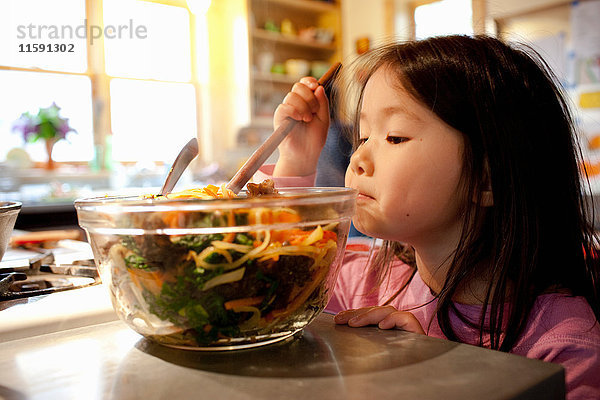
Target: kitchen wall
374 19
500 8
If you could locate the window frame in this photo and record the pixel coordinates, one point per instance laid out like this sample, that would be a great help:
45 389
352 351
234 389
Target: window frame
100 80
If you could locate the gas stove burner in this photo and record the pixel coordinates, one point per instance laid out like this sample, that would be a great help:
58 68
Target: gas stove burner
43 276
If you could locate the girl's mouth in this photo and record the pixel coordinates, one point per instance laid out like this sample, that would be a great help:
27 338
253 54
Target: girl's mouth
362 196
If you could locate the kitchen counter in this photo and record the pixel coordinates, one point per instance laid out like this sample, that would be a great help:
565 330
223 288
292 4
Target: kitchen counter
110 361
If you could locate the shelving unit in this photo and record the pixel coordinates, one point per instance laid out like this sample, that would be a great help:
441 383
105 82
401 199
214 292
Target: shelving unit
278 38
267 89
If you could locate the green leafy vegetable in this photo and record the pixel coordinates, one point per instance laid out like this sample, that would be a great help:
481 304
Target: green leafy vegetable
136 261
183 303
244 238
197 242
272 285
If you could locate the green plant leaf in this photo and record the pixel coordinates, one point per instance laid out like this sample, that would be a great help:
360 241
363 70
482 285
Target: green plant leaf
47 130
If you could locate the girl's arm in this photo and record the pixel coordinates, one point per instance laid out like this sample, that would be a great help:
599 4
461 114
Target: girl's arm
299 152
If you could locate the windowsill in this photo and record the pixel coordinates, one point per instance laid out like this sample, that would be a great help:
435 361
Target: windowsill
39 188
36 175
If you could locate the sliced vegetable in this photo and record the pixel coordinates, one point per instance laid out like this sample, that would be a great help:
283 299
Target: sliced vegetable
247 301
241 248
149 280
208 192
227 277
253 321
314 236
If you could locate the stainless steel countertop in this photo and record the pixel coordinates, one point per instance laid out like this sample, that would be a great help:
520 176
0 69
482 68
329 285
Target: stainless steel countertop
325 361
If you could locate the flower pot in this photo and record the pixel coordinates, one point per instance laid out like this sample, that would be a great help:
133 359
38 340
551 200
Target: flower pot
49 147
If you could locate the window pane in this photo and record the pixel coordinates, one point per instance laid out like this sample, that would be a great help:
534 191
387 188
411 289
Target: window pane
158 48
56 24
28 91
151 121
444 17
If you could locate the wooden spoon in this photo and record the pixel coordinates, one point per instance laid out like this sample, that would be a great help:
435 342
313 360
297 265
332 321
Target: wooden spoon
261 154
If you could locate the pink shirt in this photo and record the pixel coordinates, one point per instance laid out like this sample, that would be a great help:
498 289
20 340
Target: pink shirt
561 329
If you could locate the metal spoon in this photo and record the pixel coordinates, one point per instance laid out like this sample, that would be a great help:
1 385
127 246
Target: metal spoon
261 154
186 155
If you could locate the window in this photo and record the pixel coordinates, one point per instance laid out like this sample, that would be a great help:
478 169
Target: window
28 91
152 97
31 80
130 75
151 120
443 18
163 49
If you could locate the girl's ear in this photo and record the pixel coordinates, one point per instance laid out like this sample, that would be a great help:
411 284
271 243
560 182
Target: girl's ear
487 196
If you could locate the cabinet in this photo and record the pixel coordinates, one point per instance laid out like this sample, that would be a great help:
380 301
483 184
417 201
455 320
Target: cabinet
288 39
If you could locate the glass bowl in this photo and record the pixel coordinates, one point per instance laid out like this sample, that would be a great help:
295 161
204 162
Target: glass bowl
9 211
219 274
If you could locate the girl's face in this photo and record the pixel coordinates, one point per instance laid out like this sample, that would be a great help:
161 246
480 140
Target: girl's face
407 169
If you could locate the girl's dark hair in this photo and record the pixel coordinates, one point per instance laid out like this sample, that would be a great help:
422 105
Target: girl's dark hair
519 136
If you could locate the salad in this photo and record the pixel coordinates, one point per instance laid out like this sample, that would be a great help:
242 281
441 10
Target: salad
237 285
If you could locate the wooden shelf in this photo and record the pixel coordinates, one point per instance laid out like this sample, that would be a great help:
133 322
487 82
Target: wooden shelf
277 37
265 121
314 19
275 78
303 5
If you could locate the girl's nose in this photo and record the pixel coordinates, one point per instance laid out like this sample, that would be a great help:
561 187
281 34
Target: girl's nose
361 162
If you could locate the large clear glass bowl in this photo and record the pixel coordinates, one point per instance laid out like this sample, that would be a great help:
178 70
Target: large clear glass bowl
219 274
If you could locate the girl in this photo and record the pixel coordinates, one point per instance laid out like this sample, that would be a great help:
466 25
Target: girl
466 165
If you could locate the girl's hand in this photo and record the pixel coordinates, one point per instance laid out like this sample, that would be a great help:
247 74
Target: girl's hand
385 317
299 152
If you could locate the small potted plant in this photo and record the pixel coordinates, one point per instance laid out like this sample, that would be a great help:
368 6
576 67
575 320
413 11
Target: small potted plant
47 125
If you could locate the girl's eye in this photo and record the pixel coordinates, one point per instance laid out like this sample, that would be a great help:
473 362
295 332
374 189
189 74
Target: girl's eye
396 139
362 141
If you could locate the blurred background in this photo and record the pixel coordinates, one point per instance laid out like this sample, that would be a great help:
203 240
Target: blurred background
98 96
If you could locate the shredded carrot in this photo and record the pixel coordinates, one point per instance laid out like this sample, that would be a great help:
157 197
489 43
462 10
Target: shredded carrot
149 280
211 190
207 192
247 301
327 236
286 216
171 218
297 236
293 236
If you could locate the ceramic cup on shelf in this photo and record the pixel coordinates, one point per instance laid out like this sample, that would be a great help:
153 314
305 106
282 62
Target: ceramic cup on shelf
9 210
265 62
297 67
